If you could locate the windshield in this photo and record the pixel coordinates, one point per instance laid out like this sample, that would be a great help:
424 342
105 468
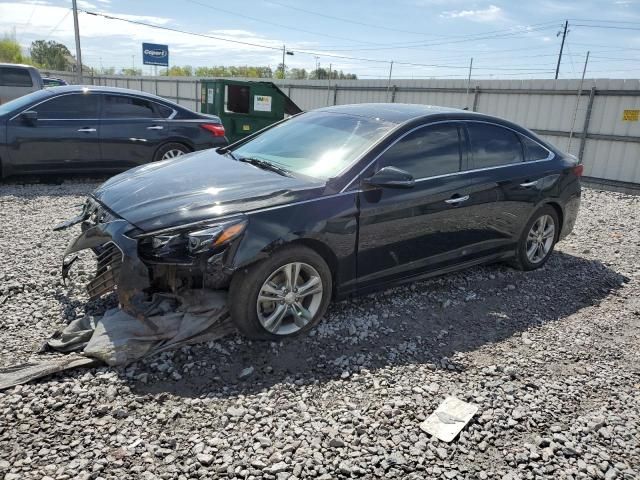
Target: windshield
316 144
22 102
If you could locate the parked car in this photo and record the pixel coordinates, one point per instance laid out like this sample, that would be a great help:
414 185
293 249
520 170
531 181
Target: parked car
18 80
98 129
53 82
337 201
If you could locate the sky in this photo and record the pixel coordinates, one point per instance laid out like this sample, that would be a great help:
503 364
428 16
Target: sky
423 38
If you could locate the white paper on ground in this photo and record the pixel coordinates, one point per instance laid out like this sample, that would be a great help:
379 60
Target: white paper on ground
449 419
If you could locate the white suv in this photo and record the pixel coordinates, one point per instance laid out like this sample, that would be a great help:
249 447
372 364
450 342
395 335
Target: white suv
18 80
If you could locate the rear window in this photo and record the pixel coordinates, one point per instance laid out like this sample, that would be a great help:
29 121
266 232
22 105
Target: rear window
15 77
492 145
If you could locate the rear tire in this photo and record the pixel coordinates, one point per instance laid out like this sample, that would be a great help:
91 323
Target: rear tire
538 239
170 150
282 296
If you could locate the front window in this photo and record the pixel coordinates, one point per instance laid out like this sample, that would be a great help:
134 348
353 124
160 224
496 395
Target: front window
316 144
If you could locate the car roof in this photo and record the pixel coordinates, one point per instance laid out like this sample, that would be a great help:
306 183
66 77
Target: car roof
96 88
18 65
393 112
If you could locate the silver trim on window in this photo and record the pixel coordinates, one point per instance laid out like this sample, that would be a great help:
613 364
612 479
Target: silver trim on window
551 155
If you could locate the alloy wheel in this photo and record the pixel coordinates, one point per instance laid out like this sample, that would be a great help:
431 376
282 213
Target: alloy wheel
289 298
173 153
540 239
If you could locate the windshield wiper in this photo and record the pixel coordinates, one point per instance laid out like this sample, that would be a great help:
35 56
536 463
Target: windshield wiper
266 165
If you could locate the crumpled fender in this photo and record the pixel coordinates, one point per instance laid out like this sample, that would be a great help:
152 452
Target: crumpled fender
133 276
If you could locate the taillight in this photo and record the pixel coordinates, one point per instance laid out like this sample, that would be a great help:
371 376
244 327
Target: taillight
215 129
578 169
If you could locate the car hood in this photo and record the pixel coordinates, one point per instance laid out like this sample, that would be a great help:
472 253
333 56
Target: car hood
196 187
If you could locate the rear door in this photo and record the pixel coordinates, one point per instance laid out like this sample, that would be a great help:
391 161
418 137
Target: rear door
132 129
509 173
404 232
64 137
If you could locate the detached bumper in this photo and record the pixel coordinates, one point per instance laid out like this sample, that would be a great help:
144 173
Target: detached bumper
119 266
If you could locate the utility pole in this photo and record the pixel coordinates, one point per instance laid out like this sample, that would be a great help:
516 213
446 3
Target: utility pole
77 31
564 36
284 51
389 81
466 100
575 111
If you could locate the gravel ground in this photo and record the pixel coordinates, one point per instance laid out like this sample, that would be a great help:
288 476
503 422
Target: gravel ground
551 357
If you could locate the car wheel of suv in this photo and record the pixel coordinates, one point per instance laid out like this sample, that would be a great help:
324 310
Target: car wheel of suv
538 239
169 151
282 296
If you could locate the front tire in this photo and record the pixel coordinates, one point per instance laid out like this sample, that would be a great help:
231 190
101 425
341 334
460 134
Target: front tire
538 239
170 150
282 296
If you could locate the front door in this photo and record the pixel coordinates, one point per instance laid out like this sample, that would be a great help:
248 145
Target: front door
132 129
405 232
64 136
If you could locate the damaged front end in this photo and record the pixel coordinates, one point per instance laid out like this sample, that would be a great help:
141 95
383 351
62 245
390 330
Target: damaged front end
136 264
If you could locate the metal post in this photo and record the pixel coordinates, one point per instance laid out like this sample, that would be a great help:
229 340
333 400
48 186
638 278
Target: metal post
178 92
564 35
335 94
76 28
393 93
156 87
476 94
389 81
575 111
329 84
284 49
466 99
585 127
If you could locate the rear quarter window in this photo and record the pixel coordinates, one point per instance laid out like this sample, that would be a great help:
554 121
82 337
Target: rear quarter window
493 145
533 150
15 77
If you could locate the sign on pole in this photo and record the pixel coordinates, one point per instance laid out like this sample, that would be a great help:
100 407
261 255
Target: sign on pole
154 54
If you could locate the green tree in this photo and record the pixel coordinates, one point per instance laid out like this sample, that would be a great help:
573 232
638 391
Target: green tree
51 55
10 51
298 74
131 72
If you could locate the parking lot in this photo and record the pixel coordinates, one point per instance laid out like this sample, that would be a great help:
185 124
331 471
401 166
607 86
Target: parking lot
551 357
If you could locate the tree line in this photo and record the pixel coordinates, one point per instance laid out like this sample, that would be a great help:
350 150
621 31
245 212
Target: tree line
51 55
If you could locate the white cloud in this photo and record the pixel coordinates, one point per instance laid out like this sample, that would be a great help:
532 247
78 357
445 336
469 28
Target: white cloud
114 42
489 14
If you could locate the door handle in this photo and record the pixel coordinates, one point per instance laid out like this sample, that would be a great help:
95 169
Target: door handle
456 200
132 139
155 127
529 184
87 130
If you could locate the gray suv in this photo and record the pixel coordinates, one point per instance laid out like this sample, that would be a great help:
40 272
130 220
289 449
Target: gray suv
18 80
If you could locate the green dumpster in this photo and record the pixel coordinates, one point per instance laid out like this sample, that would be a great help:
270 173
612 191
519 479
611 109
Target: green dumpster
245 107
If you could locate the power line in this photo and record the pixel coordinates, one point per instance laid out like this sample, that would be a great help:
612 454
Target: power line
354 22
217 8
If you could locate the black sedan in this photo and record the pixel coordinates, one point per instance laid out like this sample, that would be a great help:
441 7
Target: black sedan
329 203
98 129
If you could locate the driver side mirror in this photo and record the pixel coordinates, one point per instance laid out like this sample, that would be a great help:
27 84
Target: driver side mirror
391 177
30 117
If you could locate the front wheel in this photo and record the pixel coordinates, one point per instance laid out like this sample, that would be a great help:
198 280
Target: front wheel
282 296
538 239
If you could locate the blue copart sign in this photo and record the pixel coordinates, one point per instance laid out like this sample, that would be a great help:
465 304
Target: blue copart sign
154 54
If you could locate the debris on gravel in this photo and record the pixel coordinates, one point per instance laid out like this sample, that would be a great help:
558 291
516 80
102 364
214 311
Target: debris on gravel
550 357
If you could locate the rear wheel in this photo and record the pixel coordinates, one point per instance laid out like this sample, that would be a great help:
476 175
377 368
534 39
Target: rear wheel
285 295
538 239
170 150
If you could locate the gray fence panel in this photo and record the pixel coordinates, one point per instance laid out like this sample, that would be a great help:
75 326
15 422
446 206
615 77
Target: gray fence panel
610 150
